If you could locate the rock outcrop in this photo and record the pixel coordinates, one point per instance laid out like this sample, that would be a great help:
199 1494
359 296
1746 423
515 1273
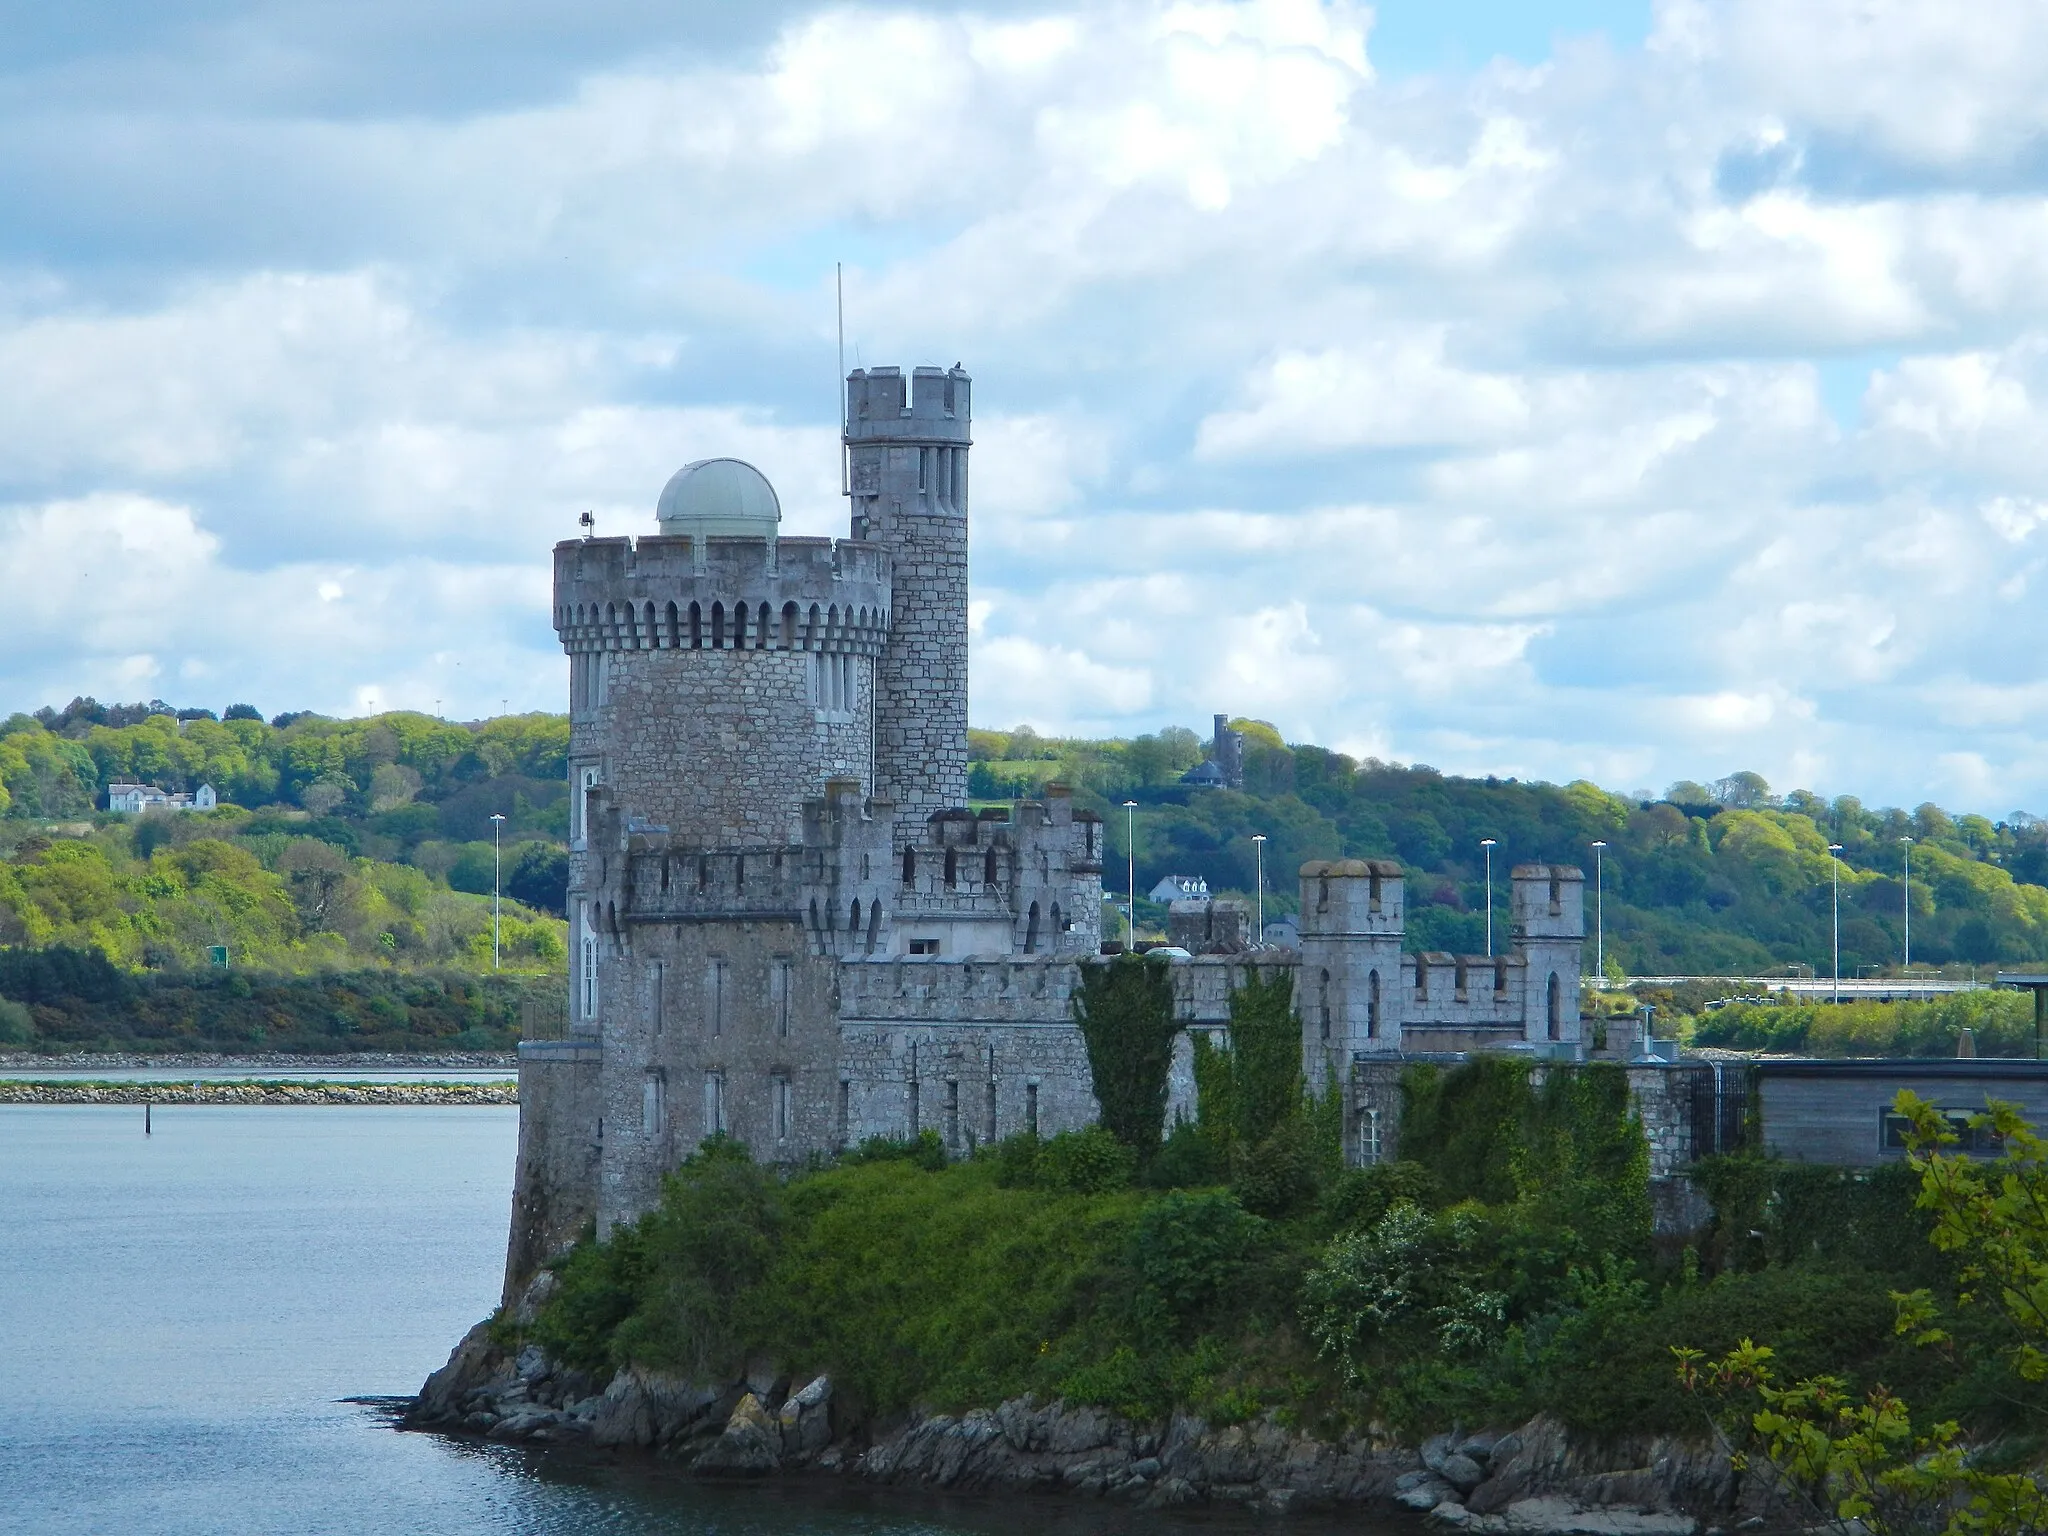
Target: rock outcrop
1535 1480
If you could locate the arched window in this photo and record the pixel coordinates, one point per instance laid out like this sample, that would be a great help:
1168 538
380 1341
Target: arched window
853 918
909 867
652 631
761 630
1372 1005
874 924
718 626
739 626
1556 1007
696 628
1031 930
1058 926
789 626
1323 894
675 629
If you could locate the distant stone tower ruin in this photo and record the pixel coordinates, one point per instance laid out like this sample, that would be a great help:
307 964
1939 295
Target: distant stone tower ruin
907 443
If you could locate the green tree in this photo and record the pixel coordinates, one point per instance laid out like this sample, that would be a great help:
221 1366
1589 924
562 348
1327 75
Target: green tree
1124 1008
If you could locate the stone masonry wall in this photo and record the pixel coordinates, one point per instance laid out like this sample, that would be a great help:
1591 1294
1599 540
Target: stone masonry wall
554 1181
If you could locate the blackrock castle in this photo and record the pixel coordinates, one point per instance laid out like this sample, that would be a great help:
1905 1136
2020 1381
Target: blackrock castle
787 925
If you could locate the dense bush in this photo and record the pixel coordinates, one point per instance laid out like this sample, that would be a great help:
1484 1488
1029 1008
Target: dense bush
243 1011
2000 1024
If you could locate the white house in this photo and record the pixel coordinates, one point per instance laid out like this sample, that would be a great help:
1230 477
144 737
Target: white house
133 799
1179 888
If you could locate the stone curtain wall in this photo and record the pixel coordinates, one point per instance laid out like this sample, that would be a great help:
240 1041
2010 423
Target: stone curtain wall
746 1004
554 1182
966 1081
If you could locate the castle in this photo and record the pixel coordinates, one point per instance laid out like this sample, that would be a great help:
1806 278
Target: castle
788 926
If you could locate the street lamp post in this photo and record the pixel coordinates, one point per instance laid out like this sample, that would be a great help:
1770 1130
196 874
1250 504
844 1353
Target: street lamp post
1487 844
1909 902
1131 876
1259 863
497 821
1599 912
1835 852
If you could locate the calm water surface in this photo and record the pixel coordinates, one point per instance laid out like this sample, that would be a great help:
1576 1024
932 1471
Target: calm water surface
182 1316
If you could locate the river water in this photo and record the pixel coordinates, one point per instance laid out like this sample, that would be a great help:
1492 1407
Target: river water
183 1316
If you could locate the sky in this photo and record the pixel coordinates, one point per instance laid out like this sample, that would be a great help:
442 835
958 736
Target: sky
1625 391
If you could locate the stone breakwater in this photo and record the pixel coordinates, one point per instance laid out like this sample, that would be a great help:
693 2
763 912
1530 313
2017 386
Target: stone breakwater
1534 1480
263 1061
300 1093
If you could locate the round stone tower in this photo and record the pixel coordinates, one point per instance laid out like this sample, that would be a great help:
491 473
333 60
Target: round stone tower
906 443
719 675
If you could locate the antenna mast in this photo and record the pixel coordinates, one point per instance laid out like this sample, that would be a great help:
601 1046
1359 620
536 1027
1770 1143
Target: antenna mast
839 292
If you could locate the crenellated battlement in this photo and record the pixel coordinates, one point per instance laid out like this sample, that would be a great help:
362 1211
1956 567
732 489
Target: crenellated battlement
933 405
668 882
661 593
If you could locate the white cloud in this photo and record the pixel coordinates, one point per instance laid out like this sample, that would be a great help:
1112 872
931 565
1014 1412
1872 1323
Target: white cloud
1501 419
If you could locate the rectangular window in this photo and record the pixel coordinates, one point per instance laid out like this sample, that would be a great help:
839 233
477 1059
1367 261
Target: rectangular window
714 1103
1892 1129
845 1128
1369 1146
781 973
1031 1108
654 980
784 1107
952 1112
914 1106
924 946
582 781
653 1112
714 995
586 962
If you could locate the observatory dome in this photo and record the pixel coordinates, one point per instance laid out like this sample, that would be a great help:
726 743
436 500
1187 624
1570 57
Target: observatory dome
719 498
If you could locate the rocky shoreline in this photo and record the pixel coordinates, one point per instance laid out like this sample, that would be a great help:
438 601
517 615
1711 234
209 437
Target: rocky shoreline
293 1092
1534 1480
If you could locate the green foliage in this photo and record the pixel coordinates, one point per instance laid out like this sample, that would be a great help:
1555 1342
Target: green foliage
2000 1023
1124 1008
1466 1125
705 1248
17 1027
1084 1162
1190 1252
76 1001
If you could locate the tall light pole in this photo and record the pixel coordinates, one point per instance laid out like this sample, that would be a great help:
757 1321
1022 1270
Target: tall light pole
1259 863
1909 903
1599 912
1131 849
1487 844
1835 852
497 821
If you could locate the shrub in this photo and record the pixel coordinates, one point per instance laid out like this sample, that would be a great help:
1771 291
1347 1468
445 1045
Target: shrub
17 1025
1087 1162
1187 1159
1189 1252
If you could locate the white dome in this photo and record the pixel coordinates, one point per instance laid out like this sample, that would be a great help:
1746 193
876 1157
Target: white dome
719 498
